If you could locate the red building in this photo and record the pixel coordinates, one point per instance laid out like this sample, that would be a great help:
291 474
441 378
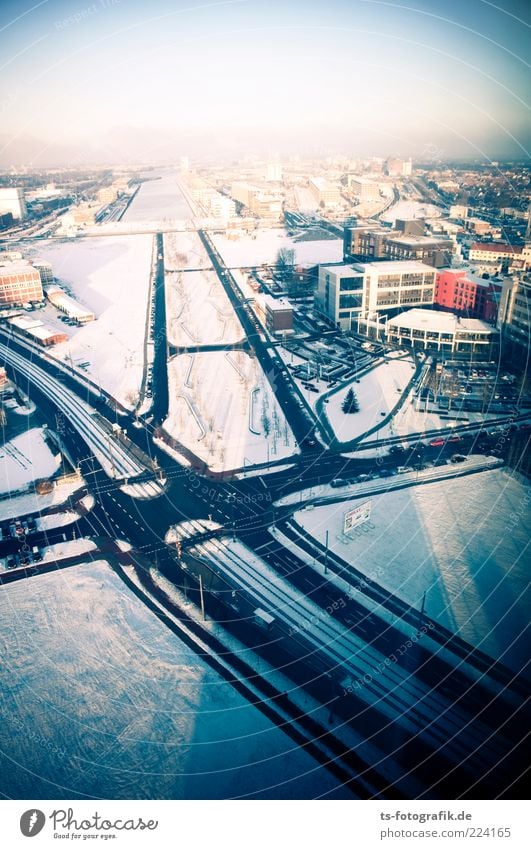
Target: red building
461 292
19 283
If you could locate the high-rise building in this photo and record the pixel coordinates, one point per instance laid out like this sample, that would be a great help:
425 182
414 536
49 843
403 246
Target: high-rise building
12 200
274 172
514 318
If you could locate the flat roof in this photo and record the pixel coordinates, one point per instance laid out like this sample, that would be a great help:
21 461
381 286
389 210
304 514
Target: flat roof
19 266
24 322
59 299
420 240
438 322
345 270
277 304
496 247
395 266
43 332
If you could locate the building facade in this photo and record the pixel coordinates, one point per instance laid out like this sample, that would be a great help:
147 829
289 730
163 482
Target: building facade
442 332
515 318
20 283
348 293
324 192
458 290
494 251
12 200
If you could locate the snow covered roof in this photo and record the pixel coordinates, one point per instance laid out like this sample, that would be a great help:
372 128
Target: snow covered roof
398 266
438 322
276 304
23 322
58 298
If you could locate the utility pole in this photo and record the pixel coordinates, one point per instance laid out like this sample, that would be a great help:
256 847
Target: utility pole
201 596
326 554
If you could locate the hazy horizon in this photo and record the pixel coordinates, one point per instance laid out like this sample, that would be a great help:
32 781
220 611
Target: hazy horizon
119 81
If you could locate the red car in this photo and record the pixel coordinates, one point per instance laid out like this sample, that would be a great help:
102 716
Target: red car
436 443
454 439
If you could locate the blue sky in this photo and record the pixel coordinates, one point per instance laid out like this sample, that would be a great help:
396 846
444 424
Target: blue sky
360 76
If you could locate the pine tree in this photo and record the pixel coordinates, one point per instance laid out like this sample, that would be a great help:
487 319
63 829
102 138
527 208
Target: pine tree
350 402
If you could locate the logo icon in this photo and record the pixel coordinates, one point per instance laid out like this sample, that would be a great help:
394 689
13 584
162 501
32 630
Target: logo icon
32 822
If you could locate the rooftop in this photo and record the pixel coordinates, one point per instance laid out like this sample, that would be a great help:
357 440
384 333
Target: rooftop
496 247
395 266
439 322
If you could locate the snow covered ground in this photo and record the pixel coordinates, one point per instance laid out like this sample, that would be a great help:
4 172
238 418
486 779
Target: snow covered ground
453 540
158 200
223 409
68 548
26 458
25 505
183 251
100 699
198 310
264 245
412 209
56 520
378 391
110 275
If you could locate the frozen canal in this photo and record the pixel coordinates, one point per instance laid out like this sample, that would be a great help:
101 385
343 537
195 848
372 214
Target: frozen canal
158 199
99 699
464 541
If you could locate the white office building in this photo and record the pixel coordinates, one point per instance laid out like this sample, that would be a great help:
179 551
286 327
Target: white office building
348 293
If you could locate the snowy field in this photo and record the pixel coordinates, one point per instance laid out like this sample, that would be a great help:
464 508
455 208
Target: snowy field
223 409
198 310
110 275
377 392
184 251
26 458
412 209
263 247
451 539
101 700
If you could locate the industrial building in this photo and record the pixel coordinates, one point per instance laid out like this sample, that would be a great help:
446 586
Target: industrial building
20 283
324 192
45 270
37 330
66 304
363 188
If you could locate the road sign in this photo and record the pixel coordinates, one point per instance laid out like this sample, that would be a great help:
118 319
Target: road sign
357 516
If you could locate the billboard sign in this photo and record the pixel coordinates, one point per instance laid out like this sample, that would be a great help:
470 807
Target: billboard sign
357 516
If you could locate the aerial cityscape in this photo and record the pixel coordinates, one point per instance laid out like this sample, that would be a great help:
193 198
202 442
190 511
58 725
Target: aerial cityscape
265 309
